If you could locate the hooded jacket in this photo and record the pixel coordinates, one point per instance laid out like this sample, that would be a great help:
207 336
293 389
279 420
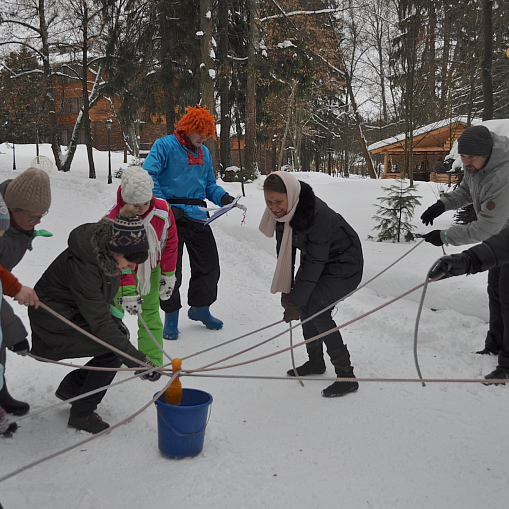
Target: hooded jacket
488 191
328 245
80 285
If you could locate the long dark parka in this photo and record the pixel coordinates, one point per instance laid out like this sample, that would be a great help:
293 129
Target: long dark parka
331 260
80 285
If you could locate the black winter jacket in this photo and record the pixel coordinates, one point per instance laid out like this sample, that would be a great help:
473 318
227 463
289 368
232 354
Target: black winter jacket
80 285
328 245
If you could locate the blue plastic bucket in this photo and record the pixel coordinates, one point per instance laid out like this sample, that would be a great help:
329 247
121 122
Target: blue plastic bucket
181 429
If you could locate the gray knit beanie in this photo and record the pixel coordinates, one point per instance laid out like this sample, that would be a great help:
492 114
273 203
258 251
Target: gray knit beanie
475 141
29 191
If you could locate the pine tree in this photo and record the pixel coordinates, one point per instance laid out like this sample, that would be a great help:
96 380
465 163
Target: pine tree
465 215
394 219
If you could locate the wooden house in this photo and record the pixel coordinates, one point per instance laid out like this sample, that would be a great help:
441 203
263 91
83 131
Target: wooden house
68 94
431 144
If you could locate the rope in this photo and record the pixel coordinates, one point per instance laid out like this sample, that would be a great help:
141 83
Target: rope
318 336
323 378
207 368
291 327
418 319
91 336
93 437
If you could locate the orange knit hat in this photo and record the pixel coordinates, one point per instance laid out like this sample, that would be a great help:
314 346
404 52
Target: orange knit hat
198 120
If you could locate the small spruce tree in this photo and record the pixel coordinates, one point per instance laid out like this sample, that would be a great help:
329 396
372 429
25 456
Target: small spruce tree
395 214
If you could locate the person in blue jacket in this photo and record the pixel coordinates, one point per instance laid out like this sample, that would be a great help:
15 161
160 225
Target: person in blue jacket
181 167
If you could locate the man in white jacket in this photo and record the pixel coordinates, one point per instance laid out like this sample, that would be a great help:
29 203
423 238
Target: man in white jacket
485 158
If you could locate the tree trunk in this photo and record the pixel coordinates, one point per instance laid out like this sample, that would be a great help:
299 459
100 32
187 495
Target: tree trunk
224 83
287 126
208 74
86 105
487 61
358 126
250 141
167 76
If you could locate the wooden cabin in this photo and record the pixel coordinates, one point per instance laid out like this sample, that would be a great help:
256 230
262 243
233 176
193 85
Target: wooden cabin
431 144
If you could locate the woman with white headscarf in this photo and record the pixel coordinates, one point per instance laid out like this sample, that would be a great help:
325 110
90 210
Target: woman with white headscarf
330 268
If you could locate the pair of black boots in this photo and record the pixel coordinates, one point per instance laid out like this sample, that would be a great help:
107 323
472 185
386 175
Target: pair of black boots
11 405
340 359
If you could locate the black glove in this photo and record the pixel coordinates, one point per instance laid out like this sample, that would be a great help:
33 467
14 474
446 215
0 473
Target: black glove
21 348
178 213
291 310
431 212
227 199
452 265
153 376
434 238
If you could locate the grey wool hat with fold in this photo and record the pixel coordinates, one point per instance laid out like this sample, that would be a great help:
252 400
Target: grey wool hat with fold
29 191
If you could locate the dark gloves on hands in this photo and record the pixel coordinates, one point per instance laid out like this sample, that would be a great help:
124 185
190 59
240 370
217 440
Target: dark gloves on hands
291 310
433 238
431 212
178 213
455 265
21 348
153 376
226 199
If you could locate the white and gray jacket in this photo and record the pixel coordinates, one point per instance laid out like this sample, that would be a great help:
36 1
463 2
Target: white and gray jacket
488 191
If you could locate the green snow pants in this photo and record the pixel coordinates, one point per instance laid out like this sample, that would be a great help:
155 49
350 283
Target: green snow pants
151 316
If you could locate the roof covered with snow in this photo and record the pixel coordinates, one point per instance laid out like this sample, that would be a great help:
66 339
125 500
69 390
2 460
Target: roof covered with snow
435 126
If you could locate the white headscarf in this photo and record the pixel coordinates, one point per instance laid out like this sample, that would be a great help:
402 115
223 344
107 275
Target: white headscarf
283 275
154 254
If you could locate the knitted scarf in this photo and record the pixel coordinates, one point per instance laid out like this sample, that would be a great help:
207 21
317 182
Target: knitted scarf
154 254
283 275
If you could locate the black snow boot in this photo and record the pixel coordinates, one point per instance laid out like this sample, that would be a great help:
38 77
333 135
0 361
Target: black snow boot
92 423
500 373
341 360
10 405
315 365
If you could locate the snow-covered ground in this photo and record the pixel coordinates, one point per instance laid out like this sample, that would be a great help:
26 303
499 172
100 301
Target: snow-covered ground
273 443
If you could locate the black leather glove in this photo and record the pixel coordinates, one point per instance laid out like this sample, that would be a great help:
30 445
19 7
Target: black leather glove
291 310
431 212
227 199
178 213
453 265
21 348
153 376
433 238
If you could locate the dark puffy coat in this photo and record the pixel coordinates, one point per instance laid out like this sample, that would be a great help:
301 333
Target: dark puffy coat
80 285
493 252
329 248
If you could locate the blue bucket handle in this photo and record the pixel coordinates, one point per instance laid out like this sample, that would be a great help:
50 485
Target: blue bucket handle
186 434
